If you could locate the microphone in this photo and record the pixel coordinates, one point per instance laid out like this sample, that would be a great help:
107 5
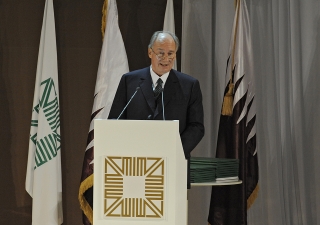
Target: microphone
163 117
137 89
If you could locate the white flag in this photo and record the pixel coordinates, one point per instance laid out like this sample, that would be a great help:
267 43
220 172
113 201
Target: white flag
113 64
43 181
168 24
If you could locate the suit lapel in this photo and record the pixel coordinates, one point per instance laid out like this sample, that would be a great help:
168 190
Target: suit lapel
171 86
146 88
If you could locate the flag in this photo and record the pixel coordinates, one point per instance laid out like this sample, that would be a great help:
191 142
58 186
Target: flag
168 24
237 128
113 64
43 179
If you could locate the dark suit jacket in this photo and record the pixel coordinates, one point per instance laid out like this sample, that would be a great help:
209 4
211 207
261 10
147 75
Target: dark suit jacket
182 101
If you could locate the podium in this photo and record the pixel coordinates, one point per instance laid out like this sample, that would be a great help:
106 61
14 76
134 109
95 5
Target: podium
140 173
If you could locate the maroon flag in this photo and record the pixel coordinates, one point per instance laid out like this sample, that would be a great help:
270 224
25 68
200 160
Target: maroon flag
237 128
111 67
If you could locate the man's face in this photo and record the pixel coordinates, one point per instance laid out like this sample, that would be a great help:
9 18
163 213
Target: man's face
162 54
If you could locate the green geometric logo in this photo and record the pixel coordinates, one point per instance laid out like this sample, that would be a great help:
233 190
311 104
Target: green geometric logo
50 143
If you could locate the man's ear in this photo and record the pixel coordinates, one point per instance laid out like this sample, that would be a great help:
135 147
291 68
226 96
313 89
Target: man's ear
149 53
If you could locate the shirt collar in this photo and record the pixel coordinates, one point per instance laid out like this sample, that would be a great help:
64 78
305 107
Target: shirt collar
155 77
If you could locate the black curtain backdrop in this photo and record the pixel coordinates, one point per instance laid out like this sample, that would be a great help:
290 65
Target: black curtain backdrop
78 28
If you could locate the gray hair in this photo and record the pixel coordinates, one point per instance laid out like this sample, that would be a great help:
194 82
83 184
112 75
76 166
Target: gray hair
156 34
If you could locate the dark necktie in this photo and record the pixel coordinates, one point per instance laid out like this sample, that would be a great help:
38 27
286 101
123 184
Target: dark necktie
158 88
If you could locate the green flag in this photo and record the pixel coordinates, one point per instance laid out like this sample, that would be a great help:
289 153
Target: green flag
43 180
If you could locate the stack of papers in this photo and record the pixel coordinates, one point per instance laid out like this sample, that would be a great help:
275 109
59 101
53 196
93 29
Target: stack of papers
205 169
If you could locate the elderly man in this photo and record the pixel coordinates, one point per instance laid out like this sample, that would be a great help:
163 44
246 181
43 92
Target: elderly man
162 93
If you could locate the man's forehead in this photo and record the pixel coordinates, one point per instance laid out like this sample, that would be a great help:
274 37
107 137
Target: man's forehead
163 50
161 44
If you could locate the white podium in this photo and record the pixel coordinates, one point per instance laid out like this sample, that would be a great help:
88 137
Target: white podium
140 173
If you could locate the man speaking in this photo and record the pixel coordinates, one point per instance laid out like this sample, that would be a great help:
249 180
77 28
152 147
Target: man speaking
160 93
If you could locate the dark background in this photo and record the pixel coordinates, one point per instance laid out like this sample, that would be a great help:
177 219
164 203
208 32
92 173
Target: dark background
79 42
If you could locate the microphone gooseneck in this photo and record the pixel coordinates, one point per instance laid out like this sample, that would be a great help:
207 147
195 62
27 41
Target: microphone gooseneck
137 89
163 117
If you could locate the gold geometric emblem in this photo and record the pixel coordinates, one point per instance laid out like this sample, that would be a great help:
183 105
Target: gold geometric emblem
134 187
